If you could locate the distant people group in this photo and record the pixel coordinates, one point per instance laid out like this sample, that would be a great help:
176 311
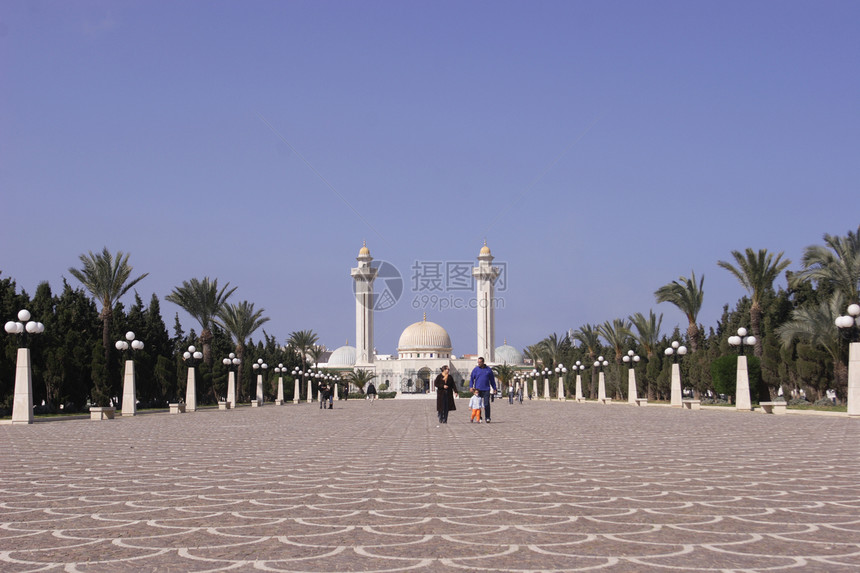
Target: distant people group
482 385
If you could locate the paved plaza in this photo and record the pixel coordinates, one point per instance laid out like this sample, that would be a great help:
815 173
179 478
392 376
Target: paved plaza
547 486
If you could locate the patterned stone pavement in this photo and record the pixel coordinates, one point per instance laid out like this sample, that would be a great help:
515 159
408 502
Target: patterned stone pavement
546 487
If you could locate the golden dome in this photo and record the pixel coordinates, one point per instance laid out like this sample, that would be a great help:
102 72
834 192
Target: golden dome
424 336
364 251
485 250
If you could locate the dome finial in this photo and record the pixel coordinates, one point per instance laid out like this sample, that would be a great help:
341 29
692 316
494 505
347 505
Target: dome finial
425 316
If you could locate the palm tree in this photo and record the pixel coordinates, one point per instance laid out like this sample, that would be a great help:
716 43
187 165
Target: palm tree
553 349
648 336
756 273
815 325
203 301
589 337
504 374
316 352
358 378
107 278
838 268
240 321
302 341
687 296
616 334
647 331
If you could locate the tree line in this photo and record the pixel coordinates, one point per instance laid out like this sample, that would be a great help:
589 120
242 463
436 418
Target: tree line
75 363
798 347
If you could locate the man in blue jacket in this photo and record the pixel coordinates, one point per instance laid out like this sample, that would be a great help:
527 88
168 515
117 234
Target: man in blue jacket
482 378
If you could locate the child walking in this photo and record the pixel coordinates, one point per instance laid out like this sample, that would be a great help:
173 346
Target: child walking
475 404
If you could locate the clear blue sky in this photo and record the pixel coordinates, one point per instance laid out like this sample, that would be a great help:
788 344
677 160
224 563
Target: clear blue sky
602 149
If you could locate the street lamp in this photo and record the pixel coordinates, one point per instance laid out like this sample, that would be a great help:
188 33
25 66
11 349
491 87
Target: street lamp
850 325
298 378
742 385
280 369
676 350
632 359
601 380
259 366
22 405
578 368
560 370
232 363
534 375
192 357
129 385
546 373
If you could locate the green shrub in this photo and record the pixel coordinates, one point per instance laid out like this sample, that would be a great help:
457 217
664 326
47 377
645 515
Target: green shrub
724 372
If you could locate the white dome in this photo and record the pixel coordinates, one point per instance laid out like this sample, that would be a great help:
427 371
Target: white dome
424 336
343 356
507 354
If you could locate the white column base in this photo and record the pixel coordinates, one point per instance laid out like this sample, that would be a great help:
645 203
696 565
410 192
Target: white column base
742 388
22 405
191 391
854 379
677 397
632 394
129 391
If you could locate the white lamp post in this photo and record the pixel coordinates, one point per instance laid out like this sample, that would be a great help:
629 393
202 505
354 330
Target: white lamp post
22 404
560 370
129 385
631 358
850 324
298 374
578 368
675 351
191 357
280 369
546 373
231 362
601 380
534 375
259 367
742 385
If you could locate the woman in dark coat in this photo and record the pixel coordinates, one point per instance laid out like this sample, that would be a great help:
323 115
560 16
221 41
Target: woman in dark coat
445 389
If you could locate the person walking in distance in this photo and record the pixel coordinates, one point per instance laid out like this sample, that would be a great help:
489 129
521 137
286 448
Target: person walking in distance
475 404
445 389
371 393
484 382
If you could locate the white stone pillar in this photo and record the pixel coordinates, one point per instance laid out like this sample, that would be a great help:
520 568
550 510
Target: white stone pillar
310 397
561 387
336 391
546 388
280 398
485 278
742 389
676 386
632 394
259 389
601 386
854 379
534 388
363 275
22 405
579 397
297 391
231 388
191 390
129 390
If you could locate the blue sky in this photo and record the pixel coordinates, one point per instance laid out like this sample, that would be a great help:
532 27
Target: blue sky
602 149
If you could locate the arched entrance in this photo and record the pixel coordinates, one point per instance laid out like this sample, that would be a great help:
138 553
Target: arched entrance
424 379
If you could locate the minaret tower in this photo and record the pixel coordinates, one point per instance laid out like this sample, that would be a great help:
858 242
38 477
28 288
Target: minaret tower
485 278
364 275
